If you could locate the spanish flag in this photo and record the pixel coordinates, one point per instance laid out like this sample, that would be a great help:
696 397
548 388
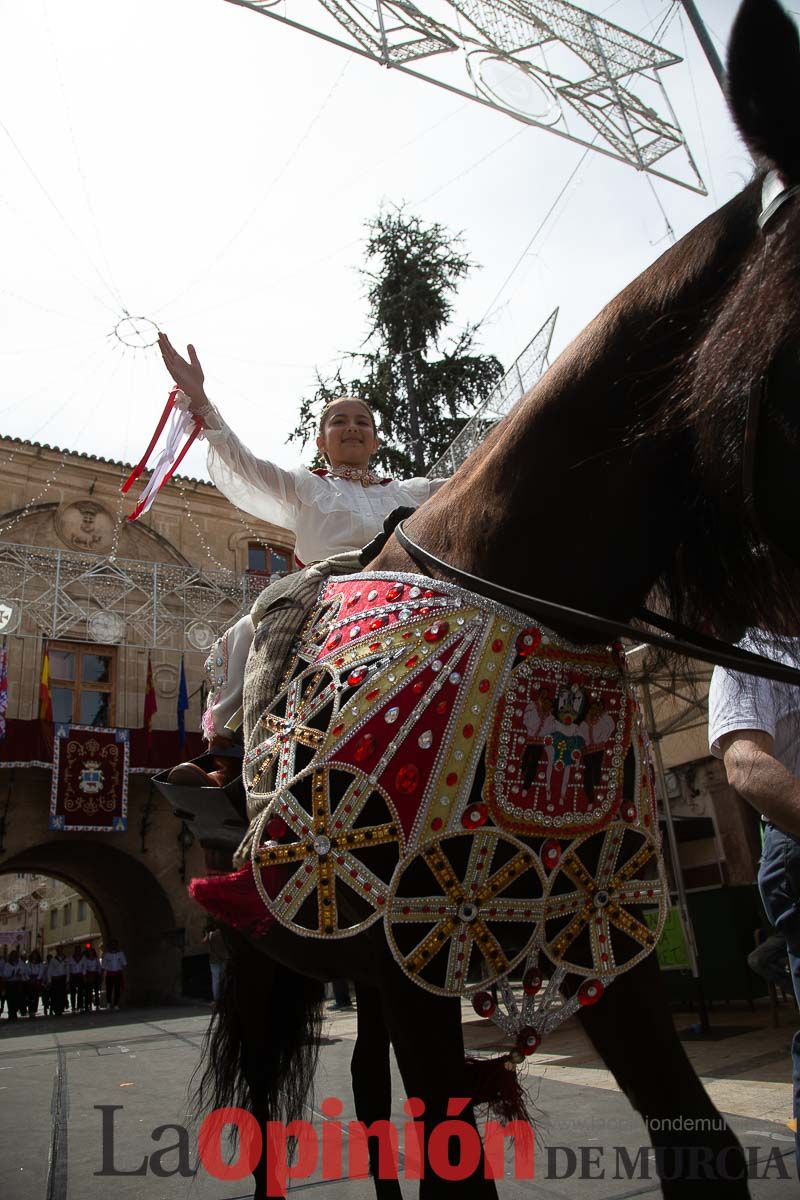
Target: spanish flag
45 699
150 702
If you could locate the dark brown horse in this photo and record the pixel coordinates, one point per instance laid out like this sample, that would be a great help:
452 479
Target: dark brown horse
623 471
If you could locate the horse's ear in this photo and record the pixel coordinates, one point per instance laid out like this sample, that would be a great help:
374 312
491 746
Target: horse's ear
764 84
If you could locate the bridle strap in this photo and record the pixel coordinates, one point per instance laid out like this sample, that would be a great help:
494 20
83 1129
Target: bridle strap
686 642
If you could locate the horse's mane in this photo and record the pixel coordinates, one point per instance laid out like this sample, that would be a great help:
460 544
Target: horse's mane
723 574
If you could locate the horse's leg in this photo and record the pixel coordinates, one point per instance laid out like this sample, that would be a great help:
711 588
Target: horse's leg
426 1034
372 1080
633 1030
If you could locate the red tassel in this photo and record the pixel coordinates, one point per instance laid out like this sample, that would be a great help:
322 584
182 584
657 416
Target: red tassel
491 1082
234 899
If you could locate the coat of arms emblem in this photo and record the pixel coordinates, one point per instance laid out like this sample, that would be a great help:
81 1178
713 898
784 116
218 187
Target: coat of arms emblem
91 778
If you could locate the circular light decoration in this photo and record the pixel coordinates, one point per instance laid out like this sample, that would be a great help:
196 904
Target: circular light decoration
200 635
13 907
517 86
44 905
9 616
106 627
136 332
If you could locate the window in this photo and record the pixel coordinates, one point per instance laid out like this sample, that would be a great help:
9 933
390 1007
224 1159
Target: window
67 914
81 910
82 682
263 560
257 558
54 918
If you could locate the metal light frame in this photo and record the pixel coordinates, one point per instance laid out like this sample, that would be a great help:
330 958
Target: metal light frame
546 63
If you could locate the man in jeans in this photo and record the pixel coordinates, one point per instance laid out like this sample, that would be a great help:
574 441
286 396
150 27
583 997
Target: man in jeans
754 727
217 955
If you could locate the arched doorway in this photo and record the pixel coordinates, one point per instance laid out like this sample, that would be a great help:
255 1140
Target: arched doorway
130 903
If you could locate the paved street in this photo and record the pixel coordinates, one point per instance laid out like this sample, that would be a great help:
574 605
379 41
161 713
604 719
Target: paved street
55 1073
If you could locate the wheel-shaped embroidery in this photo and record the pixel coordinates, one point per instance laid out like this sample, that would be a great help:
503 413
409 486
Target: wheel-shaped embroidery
334 843
284 740
593 920
464 909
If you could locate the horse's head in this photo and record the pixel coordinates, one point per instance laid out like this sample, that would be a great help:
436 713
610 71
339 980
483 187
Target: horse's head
741 391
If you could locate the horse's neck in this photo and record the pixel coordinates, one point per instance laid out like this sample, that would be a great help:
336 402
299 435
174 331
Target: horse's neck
563 500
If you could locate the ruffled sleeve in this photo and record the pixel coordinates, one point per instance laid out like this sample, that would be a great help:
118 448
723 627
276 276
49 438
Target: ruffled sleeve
254 485
419 490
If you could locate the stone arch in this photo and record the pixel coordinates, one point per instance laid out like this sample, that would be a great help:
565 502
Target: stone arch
130 904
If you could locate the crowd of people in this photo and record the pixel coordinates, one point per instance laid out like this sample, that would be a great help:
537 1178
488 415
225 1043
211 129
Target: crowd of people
62 981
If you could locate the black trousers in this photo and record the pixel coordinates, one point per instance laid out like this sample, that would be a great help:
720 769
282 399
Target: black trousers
113 987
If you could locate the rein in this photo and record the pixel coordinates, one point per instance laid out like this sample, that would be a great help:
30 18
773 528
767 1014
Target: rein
685 641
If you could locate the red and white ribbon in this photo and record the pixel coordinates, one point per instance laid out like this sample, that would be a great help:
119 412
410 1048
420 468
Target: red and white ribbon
181 422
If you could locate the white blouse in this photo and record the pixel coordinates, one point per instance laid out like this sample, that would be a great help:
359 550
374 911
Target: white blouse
328 515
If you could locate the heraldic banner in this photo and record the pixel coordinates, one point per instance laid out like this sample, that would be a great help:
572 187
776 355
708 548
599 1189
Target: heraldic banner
90 779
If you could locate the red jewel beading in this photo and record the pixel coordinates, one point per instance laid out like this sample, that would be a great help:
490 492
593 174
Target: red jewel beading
528 1041
375 692
365 748
407 779
276 829
532 981
590 991
551 854
475 816
395 591
437 631
484 1004
354 599
497 645
468 731
442 707
436 824
337 729
529 641
628 811
452 779
334 639
484 685
412 662
356 677
377 623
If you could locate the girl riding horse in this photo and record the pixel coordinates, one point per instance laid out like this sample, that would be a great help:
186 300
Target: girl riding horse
675 411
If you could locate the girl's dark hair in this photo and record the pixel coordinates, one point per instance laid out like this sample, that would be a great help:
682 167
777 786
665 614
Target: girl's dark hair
358 399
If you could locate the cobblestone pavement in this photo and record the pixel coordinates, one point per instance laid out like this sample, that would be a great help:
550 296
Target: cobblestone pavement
57 1076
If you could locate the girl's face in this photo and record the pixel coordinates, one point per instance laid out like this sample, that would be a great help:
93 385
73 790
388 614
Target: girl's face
348 436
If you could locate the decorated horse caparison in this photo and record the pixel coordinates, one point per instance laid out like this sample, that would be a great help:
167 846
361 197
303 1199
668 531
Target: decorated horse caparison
449 797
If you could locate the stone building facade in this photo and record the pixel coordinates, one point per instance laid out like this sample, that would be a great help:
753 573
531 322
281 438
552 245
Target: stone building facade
105 596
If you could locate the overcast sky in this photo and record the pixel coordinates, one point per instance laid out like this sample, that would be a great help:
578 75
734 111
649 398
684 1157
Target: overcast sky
212 170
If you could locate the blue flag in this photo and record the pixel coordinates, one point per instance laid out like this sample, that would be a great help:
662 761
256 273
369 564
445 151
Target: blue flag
183 704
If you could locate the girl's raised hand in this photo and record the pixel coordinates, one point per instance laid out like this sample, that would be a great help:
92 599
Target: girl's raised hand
188 375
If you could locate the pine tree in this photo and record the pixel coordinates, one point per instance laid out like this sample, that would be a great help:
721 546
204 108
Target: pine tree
423 392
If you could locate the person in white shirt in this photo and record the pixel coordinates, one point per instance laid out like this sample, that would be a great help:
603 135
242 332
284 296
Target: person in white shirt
113 963
91 979
35 982
57 972
75 980
16 985
331 512
754 727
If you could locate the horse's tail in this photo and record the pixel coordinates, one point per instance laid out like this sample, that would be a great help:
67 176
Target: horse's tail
261 1048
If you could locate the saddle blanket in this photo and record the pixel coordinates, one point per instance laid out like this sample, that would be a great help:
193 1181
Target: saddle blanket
479 784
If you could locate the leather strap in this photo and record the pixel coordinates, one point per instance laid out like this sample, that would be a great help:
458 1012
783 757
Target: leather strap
686 641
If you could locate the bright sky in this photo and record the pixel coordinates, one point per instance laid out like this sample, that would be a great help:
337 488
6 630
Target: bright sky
212 170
